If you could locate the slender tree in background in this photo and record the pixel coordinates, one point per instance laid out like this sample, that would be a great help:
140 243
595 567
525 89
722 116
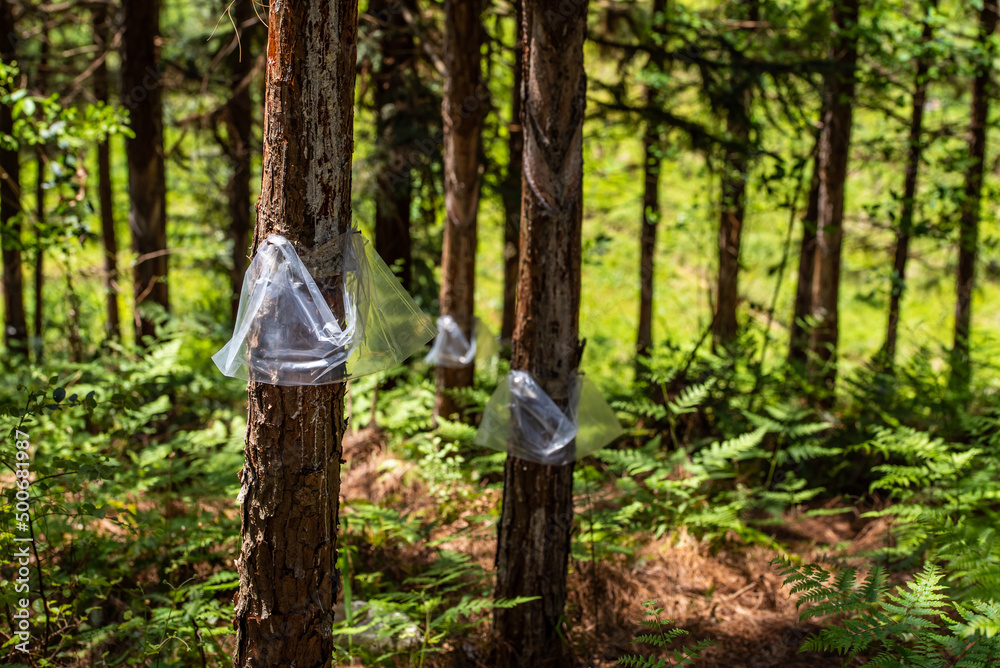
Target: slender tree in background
511 189
101 20
537 514
969 219
15 322
142 95
733 195
291 478
239 121
798 345
914 151
833 151
652 150
40 218
461 111
395 130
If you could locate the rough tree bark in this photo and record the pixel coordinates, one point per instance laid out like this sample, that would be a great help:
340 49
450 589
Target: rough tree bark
798 344
537 514
961 368
512 187
733 201
239 121
394 127
652 149
15 322
915 149
291 478
142 96
833 152
461 111
102 37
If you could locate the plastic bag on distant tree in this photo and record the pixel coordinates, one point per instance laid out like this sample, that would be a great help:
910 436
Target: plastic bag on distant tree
544 433
453 350
287 334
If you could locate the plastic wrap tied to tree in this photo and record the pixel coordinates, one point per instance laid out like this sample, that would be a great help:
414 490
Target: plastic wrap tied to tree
521 419
453 350
287 334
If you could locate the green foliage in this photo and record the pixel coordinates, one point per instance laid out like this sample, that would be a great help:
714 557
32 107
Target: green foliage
909 625
663 637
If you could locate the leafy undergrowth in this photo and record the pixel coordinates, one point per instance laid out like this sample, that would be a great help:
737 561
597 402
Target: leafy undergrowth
713 499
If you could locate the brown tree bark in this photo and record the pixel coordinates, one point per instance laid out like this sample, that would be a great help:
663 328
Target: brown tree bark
537 514
652 149
833 153
915 149
239 120
798 345
102 37
733 202
961 367
394 126
512 187
291 478
462 113
142 95
15 321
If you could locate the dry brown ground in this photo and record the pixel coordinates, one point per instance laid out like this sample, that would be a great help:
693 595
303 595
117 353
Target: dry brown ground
732 595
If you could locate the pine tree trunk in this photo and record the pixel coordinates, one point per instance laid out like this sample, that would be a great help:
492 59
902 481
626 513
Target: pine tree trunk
15 321
239 117
512 187
291 479
733 204
961 370
651 140
537 515
798 345
394 126
102 37
462 112
142 96
833 152
909 198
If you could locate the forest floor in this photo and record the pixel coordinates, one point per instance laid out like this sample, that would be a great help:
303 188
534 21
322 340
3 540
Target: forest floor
729 594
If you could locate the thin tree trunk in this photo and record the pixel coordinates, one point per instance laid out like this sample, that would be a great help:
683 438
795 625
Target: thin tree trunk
961 370
239 117
102 36
462 115
798 346
291 478
909 198
537 514
833 153
394 126
15 322
652 150
512 187
733 205
142 96
40 223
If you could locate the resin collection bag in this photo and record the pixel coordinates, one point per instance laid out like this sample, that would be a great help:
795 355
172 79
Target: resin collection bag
452 350
286 333
545 433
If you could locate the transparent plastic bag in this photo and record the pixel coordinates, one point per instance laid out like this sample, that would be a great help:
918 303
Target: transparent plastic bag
545 434
286 333
453 350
